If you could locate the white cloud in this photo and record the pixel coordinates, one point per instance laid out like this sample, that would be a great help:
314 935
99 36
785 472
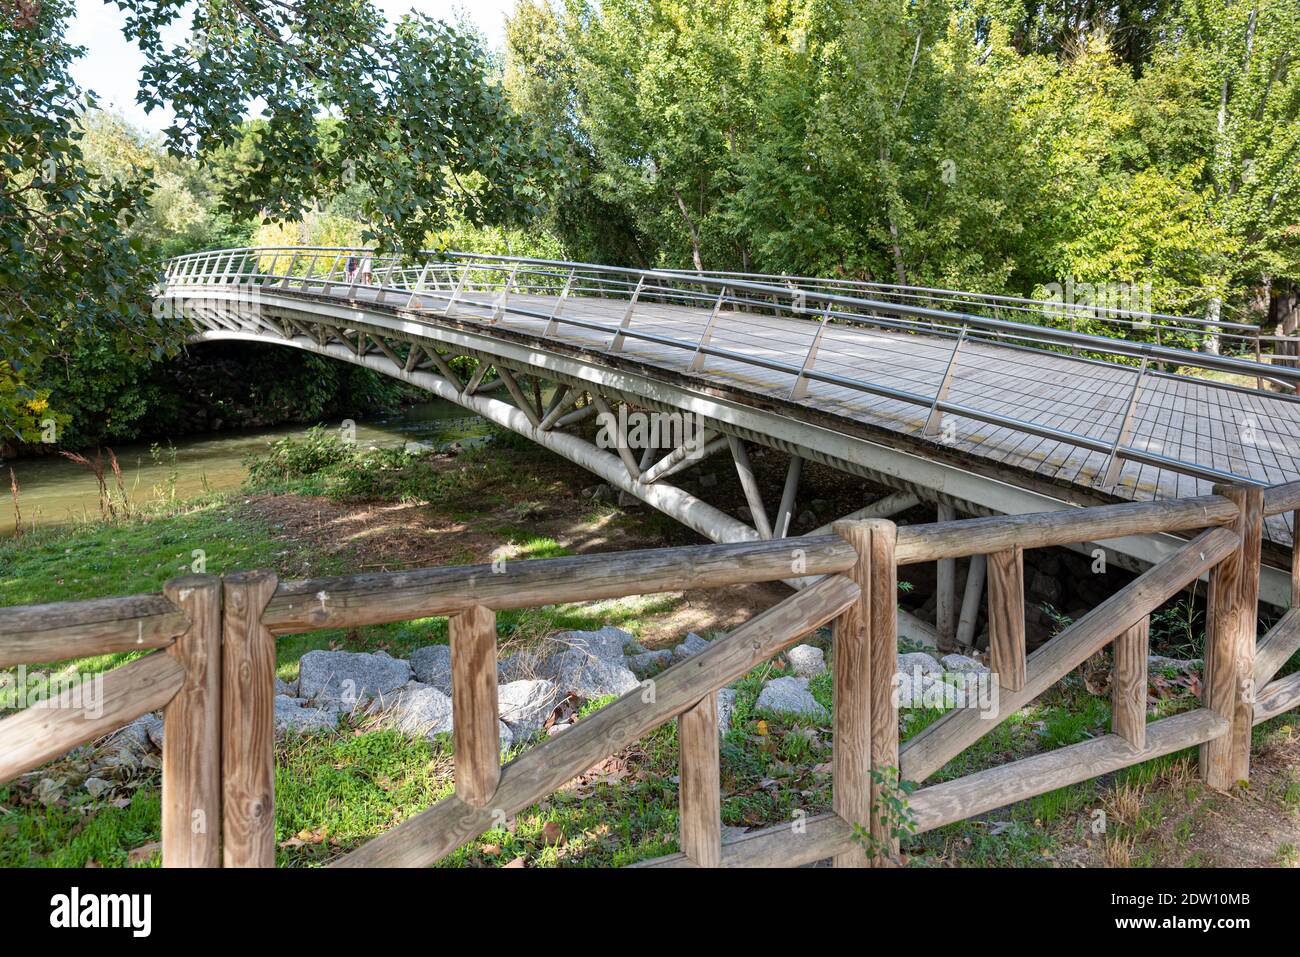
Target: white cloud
112 64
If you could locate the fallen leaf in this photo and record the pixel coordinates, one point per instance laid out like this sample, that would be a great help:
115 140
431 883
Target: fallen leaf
552 834
517 862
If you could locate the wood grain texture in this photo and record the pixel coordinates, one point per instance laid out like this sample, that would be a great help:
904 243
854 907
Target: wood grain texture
945 587
352 600
1128 690
50 729
1277 698
430 835
957 730
795 844
882 637
699 794
43 634
476 727
1295 561
1231 622
191 762
1006 784
1276 648
1006 572
979 536
247 722
851 698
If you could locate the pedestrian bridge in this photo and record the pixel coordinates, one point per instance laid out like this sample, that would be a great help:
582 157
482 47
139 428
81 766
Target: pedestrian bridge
982 405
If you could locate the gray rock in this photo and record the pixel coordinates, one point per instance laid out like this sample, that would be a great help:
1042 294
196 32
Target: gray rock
419 710
287 688
919 660
608 643
1161 663
912 688
341 680
154 728
506 735
807 661
790 696
591 677
431 665
692 645
650 660
131 744
291 716
524 705
961 663
726 707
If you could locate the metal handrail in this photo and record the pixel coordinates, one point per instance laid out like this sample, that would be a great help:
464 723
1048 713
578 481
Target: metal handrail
449 276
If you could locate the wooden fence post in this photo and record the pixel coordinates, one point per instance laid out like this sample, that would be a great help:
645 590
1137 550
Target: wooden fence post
865 708
1006 581
700 792
247 718
191 759
1231 623
1128 684
476 725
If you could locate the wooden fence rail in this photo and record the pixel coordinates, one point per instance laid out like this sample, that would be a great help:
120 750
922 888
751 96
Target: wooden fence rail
209 662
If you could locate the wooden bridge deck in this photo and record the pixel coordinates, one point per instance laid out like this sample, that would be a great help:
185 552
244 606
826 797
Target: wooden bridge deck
1245 431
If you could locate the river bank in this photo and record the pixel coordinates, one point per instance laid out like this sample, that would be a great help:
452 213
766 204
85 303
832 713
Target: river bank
53 490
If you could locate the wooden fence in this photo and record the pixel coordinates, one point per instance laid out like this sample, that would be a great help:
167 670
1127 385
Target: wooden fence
213 676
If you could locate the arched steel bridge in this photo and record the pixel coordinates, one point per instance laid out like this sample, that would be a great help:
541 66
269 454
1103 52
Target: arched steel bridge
980 404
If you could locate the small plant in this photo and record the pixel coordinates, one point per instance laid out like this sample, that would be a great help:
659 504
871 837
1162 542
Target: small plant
166 491
292 457
893 810
1179 630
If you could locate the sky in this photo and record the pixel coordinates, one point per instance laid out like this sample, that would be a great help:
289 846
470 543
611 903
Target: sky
111 66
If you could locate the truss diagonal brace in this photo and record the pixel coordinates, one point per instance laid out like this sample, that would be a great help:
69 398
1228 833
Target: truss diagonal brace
750 486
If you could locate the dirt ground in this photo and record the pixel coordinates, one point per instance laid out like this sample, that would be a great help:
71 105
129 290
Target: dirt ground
386 536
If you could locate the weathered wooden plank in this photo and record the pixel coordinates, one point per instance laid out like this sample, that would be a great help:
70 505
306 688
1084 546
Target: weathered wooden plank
435 832
352 600
980 536
851 697
882 638
782 845
945 587
957 730
476 726
1278 697
1006 571
1276 648
103 703
41 634
247 722
699 792
1231 622
1006 784
1128 680
191 762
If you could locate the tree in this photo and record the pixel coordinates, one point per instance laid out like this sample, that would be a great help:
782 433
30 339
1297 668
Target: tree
419 115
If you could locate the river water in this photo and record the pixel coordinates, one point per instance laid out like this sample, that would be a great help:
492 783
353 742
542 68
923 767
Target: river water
53 490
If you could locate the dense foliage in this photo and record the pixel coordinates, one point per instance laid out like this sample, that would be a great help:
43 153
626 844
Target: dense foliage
407 117
994 145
